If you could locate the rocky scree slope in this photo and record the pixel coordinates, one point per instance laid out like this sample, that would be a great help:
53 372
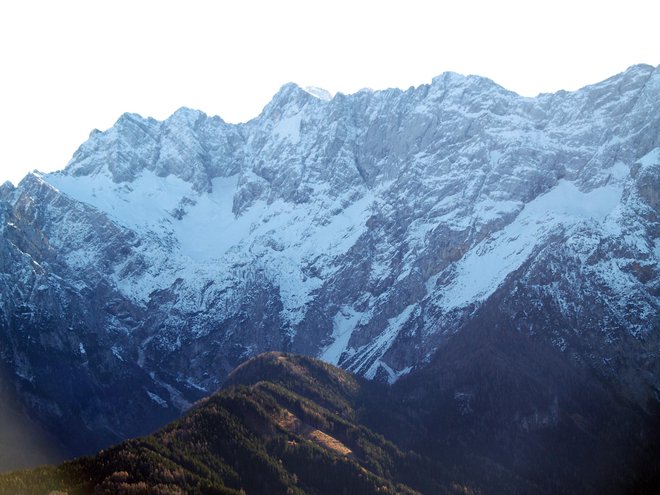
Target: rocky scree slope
365 229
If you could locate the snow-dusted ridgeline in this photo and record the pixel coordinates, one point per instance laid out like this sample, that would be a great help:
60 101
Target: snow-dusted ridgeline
365 229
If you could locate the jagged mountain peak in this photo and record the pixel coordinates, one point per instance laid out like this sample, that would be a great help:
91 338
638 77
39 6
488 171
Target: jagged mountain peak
293 90
453 79
183 115
186 145
289 100
188 114
134 143
290 93
638 70
634 78
31 180
6 188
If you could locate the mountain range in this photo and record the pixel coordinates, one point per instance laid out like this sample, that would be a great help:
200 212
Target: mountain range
396 234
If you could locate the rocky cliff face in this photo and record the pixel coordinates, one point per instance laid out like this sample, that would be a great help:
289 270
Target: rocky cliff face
365 229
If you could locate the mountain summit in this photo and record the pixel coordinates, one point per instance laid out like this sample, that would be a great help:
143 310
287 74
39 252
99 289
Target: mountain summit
369 230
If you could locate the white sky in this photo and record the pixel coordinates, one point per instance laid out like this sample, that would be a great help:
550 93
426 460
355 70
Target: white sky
67 67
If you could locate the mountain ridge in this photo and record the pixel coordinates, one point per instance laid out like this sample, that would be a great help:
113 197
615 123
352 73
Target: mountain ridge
370 229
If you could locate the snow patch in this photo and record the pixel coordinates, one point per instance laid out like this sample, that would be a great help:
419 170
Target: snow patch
393 375
651 159
343 325
196 236
319 93
156 196
116 352
380 345
209 227
289 128
484 268
157 399
489 210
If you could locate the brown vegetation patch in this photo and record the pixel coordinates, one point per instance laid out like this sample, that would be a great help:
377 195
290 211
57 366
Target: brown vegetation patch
331 443
291 423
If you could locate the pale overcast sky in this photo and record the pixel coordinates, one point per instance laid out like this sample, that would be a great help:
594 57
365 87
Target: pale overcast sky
68 67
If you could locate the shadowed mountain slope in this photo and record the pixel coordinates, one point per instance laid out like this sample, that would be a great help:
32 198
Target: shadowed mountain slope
474 424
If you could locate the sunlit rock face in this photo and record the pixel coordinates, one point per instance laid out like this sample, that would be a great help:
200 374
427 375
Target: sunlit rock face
364 229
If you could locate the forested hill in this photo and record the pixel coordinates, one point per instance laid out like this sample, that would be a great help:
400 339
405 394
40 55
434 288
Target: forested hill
286 424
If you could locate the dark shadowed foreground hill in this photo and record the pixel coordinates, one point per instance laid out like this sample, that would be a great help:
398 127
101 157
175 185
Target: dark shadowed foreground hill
296 433
470 423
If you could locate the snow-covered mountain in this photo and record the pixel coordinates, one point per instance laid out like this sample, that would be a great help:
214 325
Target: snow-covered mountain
364 229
